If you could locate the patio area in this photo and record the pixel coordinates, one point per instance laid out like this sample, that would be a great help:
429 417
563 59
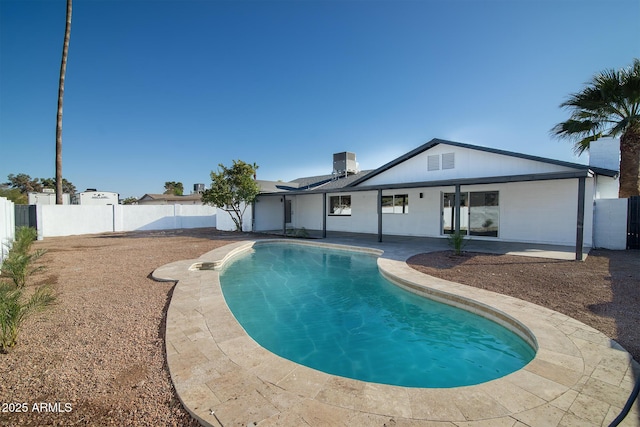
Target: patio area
402 247
578 377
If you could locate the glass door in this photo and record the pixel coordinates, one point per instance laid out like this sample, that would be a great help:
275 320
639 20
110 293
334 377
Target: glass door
449 213
484 213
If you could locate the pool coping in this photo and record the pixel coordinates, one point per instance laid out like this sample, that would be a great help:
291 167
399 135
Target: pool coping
223 377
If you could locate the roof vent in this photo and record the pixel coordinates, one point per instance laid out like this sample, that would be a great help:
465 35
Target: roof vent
345 163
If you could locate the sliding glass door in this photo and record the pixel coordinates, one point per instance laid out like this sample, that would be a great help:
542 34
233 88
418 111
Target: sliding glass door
484 213
449 213
479 213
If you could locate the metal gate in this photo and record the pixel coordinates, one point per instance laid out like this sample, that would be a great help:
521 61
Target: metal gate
633 223
26 216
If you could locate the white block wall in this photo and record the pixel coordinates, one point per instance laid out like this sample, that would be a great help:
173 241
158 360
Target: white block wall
7 226
610 224
225 222
68 220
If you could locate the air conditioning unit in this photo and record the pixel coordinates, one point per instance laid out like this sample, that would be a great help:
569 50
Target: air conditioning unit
345 163
198 188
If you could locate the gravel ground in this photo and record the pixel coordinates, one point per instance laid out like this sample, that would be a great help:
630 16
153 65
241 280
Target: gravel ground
603 291
97 356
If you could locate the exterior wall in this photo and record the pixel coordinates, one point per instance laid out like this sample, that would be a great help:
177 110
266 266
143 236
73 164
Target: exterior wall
7 226
67 220
610 224
364 214
423 217
307 212
536 212
468 164
606 187
544 212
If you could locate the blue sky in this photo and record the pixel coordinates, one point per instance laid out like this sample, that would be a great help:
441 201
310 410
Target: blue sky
166 90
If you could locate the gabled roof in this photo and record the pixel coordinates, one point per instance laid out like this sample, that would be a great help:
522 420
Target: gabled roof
436 141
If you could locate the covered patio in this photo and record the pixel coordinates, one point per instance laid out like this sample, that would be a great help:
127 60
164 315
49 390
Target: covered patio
402 247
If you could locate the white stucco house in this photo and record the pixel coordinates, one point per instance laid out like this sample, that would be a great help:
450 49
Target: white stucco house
443 186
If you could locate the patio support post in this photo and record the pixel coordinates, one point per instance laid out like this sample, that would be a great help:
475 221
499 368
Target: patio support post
253 215
379 215
284 215
580 219
324 215
457 210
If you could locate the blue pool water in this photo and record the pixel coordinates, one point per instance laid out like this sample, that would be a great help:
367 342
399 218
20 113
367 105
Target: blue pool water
332 310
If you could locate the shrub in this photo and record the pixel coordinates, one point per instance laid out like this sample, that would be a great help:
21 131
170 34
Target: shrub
15 308
18 265
457 242
24 238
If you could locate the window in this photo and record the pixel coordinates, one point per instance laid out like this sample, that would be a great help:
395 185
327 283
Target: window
396 204
484 213
479 213
340 205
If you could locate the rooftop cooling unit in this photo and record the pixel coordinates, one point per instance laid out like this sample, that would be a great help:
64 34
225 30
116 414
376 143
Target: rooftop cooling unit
198 188
345 163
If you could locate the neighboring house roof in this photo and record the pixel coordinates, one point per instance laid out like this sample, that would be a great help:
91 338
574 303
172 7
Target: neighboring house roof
324 182
436 141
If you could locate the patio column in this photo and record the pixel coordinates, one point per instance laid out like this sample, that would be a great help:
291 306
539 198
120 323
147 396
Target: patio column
324 215
284 215
380 215
457 210
580 218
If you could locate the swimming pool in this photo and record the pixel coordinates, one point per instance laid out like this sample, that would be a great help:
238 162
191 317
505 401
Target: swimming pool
332 310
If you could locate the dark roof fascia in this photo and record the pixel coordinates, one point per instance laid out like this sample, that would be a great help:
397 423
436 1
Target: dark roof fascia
436 141
446 183
606 172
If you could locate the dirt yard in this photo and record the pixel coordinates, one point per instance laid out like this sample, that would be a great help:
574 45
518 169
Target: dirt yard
97 356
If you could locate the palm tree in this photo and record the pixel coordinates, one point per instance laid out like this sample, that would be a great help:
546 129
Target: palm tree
63 71
609 106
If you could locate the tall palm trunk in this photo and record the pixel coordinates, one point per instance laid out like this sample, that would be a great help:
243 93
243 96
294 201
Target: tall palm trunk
630 162
63 71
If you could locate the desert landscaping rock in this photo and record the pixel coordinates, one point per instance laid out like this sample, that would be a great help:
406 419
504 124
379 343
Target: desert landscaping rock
100 349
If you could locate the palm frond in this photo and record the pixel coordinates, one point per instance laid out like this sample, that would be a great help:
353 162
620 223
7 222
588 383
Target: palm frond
607 106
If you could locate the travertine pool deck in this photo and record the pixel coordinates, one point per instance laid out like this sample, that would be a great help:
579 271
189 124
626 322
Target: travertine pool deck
579 377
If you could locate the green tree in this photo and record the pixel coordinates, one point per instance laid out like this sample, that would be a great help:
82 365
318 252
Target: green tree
233 189
130 201
13 194
24 183
67 187
609 105
175 188
63 71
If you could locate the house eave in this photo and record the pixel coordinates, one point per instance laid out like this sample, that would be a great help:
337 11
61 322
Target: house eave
584 173
436 141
